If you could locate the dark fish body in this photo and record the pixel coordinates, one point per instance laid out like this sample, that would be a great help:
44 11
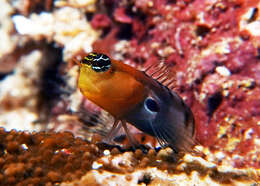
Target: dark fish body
164 114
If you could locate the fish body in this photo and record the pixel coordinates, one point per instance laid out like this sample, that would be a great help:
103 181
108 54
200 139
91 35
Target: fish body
132 96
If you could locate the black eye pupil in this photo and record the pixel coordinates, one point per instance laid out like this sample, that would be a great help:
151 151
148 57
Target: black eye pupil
151 105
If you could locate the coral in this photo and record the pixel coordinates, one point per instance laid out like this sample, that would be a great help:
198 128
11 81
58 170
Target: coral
8 39
212 46
54 158
72 32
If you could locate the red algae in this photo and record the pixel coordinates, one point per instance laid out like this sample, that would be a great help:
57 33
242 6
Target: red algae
120 15
215 58
204 41
100 21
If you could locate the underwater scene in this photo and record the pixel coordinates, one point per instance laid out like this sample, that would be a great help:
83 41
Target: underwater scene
139 92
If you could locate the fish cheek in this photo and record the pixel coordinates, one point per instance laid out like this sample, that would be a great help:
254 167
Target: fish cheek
87 86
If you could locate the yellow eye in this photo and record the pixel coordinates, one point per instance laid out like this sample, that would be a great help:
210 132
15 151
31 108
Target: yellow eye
98 62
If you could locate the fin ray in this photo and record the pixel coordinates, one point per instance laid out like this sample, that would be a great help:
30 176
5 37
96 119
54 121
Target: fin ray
161 73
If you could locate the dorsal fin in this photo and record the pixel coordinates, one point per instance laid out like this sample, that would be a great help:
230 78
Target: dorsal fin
162 73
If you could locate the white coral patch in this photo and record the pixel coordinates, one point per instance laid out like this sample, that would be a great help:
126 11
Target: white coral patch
19 119
223 71
66 26
252 26
19 87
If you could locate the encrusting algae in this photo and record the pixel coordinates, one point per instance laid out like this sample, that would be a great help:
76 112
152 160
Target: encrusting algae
48 158
213 44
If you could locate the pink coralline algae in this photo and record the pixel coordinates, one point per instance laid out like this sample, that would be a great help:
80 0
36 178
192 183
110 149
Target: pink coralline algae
120 16
100 21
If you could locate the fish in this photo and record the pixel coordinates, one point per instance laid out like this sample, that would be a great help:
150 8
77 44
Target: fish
139 98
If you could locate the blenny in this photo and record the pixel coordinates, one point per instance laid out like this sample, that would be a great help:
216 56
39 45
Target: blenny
134 97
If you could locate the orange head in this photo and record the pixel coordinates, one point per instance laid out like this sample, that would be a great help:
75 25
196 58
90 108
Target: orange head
109 84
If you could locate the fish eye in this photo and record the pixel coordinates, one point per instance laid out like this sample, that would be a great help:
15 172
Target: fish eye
151 105
98 62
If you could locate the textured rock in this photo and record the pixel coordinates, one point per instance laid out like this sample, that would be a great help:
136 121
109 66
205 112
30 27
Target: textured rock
214 50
